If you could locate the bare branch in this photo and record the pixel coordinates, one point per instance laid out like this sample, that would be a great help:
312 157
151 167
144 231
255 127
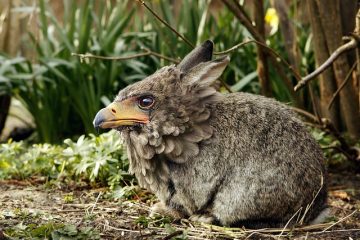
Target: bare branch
244 19
165 23
235 47
346 47
346 80
89 55
242 16
275 55
306 114
174 234
146 53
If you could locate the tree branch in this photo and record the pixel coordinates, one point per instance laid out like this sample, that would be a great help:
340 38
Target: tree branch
241 15
346 80
166 24
346 47
277 57
146 53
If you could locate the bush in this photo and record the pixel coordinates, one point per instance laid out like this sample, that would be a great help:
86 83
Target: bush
99 159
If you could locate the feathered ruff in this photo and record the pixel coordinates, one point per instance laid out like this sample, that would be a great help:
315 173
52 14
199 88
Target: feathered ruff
170 137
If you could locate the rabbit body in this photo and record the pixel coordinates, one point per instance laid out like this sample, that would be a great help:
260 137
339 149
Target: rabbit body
261 167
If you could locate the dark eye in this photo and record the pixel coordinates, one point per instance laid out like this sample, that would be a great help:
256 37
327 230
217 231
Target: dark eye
146 102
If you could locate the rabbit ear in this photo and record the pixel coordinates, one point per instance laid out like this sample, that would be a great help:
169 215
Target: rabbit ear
204 74
202 53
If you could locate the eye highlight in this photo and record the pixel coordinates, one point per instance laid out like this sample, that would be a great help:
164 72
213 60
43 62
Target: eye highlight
146 102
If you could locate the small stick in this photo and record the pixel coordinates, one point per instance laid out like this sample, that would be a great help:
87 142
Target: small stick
341 220
342 85
313 200
166 24
97 199
89 55
168 237
269 50
306 114
343 48
288 222
146 53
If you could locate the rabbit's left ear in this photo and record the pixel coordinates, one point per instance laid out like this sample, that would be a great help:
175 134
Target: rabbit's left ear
202 53
205 73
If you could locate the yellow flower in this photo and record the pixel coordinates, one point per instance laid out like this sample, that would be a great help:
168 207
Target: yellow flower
272 19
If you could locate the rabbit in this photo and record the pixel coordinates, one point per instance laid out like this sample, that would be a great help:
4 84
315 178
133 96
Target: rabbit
234 159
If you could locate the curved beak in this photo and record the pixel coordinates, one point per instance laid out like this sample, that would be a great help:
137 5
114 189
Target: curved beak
117 114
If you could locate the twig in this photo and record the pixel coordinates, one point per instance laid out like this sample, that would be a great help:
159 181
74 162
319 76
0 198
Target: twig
343 48
120 229
314 103
288 222
223 83
306 114
346 80
268 49
339 230
89 55
146 53
97 199
242 16
164 57
313 200
235 47
341 220
168 237
166 24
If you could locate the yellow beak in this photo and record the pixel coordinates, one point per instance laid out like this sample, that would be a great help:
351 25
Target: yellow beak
117 114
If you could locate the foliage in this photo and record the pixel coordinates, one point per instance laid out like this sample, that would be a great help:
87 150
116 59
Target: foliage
63 93
51 230
330 146
195 21
94 159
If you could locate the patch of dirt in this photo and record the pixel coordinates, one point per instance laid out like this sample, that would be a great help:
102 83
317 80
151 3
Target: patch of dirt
23 205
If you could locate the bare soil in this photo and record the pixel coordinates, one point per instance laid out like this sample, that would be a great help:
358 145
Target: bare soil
25 204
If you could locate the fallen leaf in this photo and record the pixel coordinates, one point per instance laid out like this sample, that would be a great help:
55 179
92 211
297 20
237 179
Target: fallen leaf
340 194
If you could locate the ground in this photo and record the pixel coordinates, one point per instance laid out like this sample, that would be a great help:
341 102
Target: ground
37 210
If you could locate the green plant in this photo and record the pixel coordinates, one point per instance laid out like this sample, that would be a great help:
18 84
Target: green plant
196 23
62 92
94 159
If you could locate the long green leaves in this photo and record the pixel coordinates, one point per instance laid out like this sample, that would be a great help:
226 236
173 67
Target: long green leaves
64 94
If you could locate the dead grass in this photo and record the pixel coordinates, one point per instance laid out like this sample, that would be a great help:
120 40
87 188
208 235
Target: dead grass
23 204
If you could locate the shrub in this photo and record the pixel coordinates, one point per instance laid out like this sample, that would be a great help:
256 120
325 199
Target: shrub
99 159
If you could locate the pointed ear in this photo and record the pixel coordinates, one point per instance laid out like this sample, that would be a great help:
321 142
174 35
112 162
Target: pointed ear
204 74
202 53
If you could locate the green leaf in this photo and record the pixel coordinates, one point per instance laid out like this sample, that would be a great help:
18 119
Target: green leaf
244 81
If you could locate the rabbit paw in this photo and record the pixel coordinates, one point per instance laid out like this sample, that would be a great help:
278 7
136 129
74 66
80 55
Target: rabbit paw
202 218
161 209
